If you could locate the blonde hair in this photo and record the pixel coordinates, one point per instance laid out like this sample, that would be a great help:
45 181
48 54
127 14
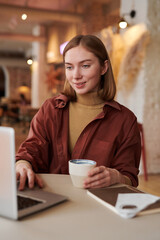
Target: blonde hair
107 86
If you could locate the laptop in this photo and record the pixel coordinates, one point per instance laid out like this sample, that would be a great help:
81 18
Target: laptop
29 201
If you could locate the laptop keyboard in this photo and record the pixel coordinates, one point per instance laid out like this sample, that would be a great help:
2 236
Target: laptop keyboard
24 202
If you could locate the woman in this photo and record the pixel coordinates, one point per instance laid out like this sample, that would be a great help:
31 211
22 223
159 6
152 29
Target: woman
83 122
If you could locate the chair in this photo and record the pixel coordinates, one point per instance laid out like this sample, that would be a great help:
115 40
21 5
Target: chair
143 151
1 114
26 113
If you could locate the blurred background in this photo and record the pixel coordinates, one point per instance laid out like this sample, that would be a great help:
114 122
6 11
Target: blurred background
33 34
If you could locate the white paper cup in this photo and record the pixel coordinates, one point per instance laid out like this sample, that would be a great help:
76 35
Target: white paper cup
78 170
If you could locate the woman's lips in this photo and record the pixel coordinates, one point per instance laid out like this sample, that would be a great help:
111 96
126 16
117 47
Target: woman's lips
80 85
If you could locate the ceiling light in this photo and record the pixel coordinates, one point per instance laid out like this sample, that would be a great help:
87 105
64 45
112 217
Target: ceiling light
24 16
123 24
29 61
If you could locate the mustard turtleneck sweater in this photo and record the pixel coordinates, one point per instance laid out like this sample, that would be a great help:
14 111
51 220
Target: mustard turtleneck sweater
81 112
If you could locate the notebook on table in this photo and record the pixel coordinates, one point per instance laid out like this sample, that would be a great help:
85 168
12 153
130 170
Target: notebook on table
29 201
108 197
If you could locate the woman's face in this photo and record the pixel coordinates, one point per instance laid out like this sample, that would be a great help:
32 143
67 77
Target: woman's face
83 70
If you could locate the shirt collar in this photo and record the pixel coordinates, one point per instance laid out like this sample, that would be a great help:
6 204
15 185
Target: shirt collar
113 104
61 101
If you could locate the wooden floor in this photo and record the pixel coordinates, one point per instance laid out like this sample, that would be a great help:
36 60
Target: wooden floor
151 186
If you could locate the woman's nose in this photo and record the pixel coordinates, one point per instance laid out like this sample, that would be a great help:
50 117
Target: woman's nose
77 73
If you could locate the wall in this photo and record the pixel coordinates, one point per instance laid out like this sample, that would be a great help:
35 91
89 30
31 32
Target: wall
151 116
99 15
131 80
58 34
135 100
19 77
141 7
17 73
144 100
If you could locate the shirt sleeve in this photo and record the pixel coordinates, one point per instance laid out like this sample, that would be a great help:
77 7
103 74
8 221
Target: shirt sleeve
35 148
127 157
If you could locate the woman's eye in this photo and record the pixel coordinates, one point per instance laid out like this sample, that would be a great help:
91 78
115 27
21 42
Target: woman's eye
86 66
68 67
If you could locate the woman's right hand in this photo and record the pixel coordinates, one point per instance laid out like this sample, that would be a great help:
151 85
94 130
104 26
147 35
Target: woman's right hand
24 173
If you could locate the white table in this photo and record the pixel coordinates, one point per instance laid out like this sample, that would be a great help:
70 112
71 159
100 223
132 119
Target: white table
80 218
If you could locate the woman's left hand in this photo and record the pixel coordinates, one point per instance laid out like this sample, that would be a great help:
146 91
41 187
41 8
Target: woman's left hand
102 177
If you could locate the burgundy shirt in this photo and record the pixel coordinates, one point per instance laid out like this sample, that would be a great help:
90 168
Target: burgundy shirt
112 139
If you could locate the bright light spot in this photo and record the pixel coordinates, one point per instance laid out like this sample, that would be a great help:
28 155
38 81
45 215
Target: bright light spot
123 24
29 61
24 16
50 54
62 46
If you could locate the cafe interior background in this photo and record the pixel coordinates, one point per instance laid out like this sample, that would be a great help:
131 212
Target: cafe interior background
32 37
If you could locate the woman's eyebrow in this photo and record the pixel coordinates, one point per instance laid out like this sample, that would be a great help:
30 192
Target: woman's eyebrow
85 60
68 63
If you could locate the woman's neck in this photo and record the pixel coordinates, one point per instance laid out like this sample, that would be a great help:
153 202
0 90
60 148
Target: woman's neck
90 98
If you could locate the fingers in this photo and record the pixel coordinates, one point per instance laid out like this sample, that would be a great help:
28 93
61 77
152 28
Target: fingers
34 178
22 179
31 178
96 170
25 173
17 175
98 177
39 181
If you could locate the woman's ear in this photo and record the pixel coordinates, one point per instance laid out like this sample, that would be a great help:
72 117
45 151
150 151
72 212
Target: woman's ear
105 67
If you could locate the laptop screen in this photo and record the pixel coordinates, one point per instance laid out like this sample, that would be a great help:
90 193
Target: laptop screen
32 201
8 192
